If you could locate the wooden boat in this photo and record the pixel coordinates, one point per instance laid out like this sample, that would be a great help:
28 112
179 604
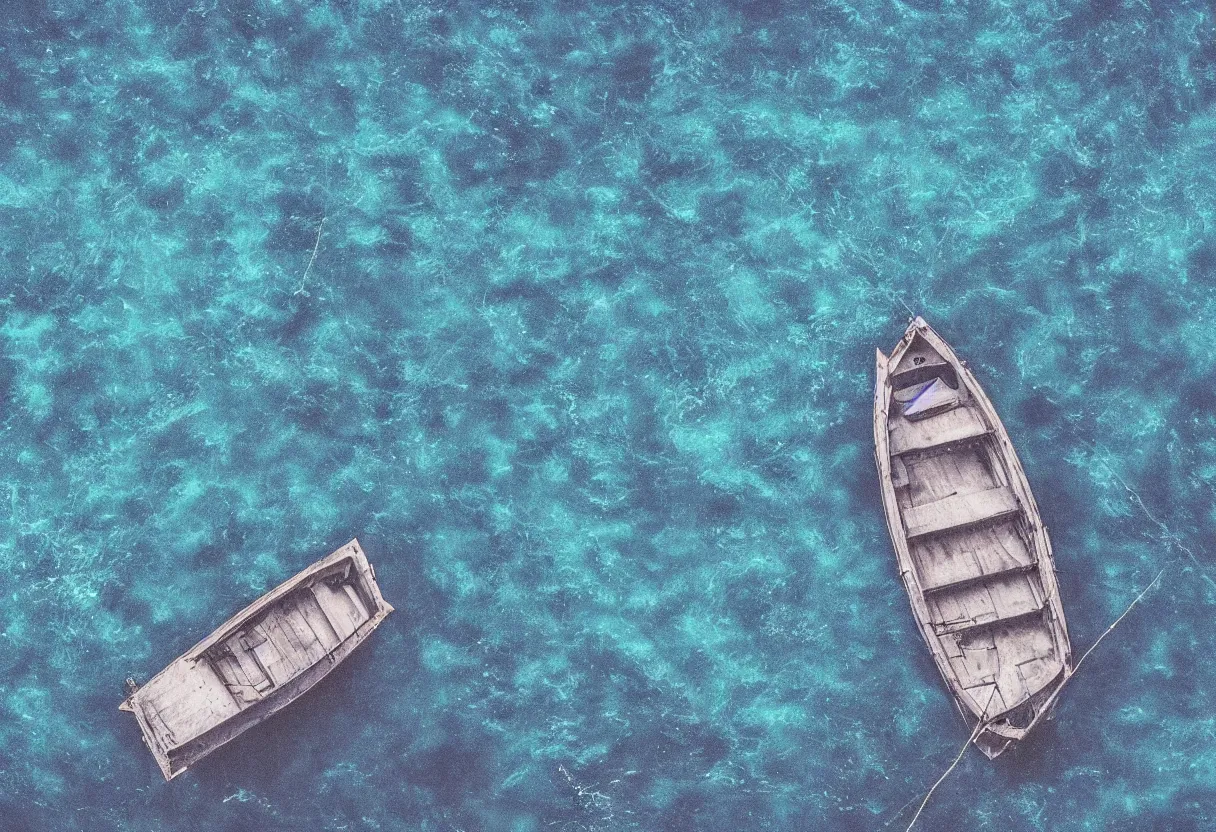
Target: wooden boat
973 554
259 661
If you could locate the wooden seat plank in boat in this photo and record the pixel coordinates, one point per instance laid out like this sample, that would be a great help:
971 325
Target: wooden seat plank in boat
1006 596
981 577
957 425
962 555
254 672
312 617
344 610
310 644
959 510
274 653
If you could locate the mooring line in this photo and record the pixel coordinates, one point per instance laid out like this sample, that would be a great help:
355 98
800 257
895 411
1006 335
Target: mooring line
1167 535
979 728
1111 628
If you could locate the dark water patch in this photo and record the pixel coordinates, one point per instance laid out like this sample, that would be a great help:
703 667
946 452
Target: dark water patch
1201 262
661 165
40 24
304 47
298 326
758 12
1060 174
750 598
476 158
299 216
165 197
432 62
611 275
1202 66
17 87
395 246
8 373
1166 116
20 816
468 467
337 104
452 769
1038 411
633 70
721 214
533 371
208 232
1162 820
200 106
1059 223
536 303
1089 17
1151 302
536 156
403 173
194 41
1097 209
687 813
1197 397
68 146
827 181
719 508
169 13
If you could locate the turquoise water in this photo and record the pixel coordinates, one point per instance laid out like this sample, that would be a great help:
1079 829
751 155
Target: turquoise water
568 311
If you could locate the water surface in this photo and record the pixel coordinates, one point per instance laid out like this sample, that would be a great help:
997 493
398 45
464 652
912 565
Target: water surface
568 311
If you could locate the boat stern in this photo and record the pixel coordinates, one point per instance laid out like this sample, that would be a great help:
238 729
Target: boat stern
992 744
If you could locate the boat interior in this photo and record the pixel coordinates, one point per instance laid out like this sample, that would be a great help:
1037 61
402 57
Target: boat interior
291 635
968 537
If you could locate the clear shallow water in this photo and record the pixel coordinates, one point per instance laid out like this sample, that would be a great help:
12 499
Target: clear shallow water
583 354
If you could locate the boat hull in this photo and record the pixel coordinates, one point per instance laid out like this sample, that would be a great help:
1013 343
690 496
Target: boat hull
259 661
972 551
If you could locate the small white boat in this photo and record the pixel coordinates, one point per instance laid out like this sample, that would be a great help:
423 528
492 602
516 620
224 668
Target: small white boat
259 661
972 551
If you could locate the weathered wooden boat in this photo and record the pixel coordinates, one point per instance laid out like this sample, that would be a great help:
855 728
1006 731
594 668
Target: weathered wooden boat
973 553
259 661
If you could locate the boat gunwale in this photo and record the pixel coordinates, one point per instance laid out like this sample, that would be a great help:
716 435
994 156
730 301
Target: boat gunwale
1043 556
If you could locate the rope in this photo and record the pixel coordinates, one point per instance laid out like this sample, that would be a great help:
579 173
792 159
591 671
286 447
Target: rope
979 728
1111 628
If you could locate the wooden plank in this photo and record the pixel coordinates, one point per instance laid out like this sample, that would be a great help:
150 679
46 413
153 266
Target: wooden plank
959 510
960 627
273 654
196 699
1001 598
237 680
944 472
315 617
253 671
294 619
972 580
963 554
343 614
956 425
